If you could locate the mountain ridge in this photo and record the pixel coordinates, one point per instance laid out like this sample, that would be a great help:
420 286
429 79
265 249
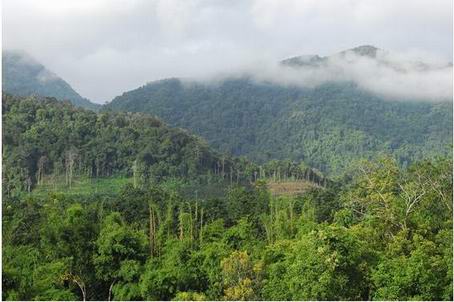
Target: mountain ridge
370 52
328 126
23 75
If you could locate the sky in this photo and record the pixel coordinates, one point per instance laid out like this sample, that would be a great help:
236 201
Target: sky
103 48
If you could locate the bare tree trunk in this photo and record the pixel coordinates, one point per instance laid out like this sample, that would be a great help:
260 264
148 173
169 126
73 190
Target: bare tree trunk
70 173
82 289
151 232
41 162
291 216
181 235
110 291
191 225
134 173
29 184
66 174
77 280
196 218
201 226
70 158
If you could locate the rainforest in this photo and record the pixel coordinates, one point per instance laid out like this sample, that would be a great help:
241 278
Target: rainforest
255 150
119 206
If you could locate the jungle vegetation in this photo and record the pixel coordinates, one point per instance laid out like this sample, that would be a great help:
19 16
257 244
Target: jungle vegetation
380 231
328 127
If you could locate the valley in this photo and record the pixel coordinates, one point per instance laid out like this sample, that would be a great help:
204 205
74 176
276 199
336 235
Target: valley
243 189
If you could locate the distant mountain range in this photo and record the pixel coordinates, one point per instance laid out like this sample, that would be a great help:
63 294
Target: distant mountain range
327 124
24 76
380 56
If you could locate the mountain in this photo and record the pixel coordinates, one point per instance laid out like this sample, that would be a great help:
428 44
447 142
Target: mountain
43 137
328 126
364 52
23 76
315 60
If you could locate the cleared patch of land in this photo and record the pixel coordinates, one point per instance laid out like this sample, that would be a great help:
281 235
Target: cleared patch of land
289 188
113 185
82 185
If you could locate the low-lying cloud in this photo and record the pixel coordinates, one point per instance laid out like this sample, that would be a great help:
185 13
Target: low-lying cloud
388 75
105 47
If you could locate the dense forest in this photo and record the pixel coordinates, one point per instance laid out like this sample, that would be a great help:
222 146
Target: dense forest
324 193
45 139
328 127
380 231
385 234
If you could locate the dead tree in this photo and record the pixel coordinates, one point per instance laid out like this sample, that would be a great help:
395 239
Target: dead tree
70 160
78 281
41 164
152 230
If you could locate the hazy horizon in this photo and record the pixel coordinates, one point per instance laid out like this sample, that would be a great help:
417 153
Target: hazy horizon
103 48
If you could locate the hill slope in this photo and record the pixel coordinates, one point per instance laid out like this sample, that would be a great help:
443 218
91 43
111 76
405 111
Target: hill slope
327 126
43 137
23 76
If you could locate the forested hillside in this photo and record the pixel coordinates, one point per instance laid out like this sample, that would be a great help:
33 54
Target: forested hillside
327 126
23 76
122 206
43 136
45 139
384 235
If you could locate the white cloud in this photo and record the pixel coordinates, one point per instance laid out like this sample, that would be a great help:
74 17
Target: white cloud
387 75
104 47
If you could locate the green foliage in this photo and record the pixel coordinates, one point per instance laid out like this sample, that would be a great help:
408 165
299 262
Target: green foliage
172 273
117 242
244 203
190 296
83 186
333 265
386 234
381 232
239 277
45 141
128 288
419 273
26 276
327 127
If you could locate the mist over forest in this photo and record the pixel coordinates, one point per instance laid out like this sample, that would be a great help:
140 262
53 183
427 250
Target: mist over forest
227 150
